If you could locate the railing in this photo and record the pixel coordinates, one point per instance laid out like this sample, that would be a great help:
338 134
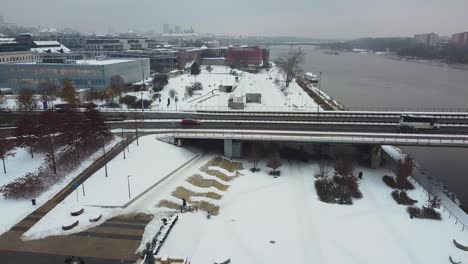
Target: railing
409 109
314 136
445 209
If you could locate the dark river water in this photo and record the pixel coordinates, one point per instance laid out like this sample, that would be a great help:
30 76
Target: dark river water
363 81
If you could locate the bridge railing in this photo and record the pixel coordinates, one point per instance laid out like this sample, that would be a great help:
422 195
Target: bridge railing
445 209
315 136
408 109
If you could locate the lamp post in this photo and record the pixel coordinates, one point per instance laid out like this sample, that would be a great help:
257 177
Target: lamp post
142 88
319 87
128 183
123 142
104 156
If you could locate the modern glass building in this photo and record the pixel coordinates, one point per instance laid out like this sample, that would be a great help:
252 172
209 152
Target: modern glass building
94 74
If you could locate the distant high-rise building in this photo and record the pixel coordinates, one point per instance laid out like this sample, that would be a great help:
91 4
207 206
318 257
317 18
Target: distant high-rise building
430 39
166 29
460 39
1 20
110 29
177 29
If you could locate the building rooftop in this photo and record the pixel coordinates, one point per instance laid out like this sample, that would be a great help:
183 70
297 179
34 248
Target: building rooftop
86 62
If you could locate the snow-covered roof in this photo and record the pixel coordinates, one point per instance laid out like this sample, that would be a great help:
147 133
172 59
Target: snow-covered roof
7 41
50 47
189 64
102 62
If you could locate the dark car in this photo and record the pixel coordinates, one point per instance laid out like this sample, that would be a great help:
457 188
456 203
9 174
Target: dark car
189 122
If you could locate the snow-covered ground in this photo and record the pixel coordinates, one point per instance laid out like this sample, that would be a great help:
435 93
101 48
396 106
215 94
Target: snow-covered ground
280 220
19 166
146 164
211 99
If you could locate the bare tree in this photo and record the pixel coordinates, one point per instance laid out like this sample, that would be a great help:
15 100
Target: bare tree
433 201
344 166
2 100
402 170
5 147
274 163
68 93
253 157
26 100
49 90
117 85
323 170
290 64
26 132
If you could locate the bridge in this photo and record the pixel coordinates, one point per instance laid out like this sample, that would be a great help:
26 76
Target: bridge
373 128
345 127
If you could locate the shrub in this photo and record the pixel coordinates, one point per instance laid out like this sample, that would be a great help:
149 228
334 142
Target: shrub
344 166
390 181
128 100
274 163
350 183
339 190
401 197
146 103
424 213
402 170
323 170
112 105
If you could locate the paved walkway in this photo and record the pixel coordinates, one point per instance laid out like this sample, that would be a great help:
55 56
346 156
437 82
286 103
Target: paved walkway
113 241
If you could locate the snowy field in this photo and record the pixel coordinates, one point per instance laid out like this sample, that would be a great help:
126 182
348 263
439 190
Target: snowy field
211 99
17 167
280 220
146 164
20 164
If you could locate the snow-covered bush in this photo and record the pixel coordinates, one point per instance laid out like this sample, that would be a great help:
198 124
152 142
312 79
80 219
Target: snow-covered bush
392 183
146 103
128 100
401 197
341 188
402 170
424 213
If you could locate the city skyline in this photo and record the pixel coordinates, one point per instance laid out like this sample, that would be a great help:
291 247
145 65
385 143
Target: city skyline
336 19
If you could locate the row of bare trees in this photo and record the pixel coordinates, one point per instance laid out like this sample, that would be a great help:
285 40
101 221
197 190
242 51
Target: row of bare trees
50 90
65 139
50 130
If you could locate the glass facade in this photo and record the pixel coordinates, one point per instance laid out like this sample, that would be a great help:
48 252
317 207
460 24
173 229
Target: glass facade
95 76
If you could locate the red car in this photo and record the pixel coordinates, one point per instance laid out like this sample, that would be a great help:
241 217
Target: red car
189 122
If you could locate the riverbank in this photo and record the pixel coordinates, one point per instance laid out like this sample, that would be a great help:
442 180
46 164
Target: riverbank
428 182
438 63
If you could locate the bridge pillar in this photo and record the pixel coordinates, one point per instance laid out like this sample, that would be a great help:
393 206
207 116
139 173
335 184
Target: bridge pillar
375 156
178 142
232 148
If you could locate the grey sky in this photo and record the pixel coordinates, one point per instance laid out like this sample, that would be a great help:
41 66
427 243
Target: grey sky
309 18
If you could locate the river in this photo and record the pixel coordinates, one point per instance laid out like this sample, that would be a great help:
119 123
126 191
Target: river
367 81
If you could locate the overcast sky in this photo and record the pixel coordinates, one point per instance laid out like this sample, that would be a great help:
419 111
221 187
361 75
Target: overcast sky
308 18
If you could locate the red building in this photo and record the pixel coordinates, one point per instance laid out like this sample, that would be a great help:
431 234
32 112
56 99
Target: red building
244 55
460 39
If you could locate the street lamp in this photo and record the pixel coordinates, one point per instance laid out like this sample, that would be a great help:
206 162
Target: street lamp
128 183
104 156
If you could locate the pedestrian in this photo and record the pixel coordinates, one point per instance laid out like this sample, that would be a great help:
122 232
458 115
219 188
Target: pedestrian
184 203
360 175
